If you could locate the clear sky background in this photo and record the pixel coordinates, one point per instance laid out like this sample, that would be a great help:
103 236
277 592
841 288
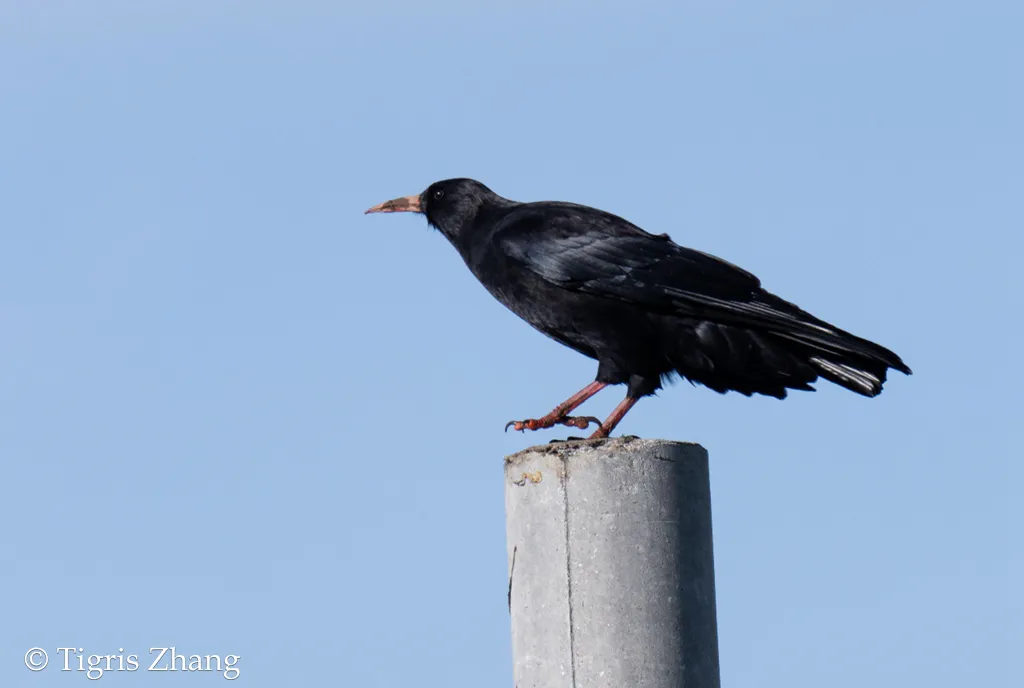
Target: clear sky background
237 416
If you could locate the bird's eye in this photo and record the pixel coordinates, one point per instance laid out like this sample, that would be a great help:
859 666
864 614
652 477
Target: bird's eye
438 194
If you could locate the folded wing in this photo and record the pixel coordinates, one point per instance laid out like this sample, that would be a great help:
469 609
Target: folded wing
592 252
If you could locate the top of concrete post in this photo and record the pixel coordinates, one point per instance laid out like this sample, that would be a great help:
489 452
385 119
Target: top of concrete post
610 445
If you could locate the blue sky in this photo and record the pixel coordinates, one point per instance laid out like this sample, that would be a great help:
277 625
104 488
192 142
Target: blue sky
240 417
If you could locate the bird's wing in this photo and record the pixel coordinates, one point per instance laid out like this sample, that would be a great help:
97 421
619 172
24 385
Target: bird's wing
588 251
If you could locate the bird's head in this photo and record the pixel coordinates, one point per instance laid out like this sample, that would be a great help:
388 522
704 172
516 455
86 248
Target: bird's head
450 205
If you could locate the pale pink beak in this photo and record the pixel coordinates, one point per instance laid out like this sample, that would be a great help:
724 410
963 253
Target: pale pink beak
406 204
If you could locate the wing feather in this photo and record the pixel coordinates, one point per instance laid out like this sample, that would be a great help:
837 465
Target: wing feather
593 252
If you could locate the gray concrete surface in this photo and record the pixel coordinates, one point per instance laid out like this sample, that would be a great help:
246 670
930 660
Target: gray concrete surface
611 565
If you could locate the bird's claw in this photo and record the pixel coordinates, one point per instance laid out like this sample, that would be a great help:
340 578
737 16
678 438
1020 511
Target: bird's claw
581 422
521 425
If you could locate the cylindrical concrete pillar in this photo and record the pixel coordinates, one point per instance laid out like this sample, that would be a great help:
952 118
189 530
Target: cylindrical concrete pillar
611 565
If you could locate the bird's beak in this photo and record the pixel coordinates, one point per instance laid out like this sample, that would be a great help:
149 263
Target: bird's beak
406 204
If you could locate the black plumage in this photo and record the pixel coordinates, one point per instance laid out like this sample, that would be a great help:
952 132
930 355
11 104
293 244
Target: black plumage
644 307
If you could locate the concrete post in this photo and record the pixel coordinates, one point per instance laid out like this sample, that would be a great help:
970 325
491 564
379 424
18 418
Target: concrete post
611 568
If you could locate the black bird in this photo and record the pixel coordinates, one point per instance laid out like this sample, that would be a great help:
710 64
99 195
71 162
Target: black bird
644 307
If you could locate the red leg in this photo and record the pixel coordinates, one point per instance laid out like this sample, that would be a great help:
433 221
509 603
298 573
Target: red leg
614 418
560 415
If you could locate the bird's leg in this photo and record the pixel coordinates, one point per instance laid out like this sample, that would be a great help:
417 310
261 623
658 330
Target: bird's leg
614 418
559 416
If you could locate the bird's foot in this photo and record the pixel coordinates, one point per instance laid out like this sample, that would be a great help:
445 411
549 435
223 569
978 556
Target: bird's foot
581 422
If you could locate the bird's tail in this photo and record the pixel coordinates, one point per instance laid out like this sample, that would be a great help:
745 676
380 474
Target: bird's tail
767 345
847 360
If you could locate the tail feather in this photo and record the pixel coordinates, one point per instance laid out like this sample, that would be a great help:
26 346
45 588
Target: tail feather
857 364
850 361
768 313
729 358
854 379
